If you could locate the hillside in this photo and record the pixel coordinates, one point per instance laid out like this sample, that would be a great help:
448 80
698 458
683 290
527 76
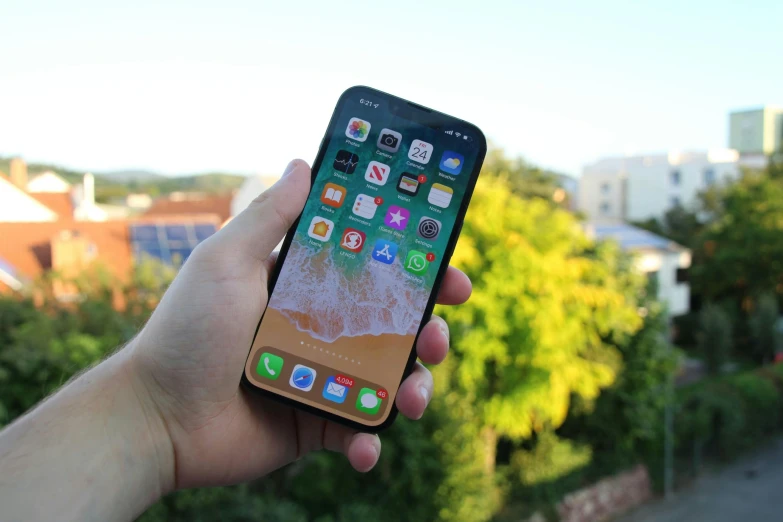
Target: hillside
117 184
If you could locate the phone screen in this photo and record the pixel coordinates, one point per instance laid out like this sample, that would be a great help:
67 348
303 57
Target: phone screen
358 274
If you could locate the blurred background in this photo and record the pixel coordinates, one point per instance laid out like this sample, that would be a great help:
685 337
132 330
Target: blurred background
620 356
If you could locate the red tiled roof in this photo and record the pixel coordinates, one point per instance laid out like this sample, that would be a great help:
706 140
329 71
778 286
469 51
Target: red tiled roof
59 202
208 204
27 246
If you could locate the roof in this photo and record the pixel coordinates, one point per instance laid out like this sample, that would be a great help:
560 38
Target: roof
59 202
633 238
205 204
26 247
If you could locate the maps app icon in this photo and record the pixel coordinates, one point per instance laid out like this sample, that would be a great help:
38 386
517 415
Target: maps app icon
451 162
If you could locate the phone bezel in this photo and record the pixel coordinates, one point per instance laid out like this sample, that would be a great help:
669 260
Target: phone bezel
424 116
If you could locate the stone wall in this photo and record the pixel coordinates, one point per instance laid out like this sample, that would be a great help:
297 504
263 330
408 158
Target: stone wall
607 498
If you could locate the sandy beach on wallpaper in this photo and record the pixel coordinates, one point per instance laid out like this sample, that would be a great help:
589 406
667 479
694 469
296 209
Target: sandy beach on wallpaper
372 351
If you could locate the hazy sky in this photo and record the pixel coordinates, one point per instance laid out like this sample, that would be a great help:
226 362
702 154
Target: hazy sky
192 86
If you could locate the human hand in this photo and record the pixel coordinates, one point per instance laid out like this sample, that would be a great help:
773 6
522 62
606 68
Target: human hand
190 356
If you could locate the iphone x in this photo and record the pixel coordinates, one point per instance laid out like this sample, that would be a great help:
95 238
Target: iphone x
358 273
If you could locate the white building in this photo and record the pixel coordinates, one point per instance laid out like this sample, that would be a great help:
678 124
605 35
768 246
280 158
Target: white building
636 188
661 259
48 182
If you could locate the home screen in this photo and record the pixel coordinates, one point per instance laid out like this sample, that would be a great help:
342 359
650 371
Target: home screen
347 305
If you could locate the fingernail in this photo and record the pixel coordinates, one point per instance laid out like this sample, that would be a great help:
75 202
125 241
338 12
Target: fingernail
290 168
425 393
445 330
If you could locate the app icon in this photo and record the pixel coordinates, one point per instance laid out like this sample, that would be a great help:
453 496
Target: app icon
358 129
365 206
416 262
389 140
420 151
345 161
368 401
333 195
353 240
320 228
440 195
302 378
396 217
377 173
428 228
334 392
384 251
409 184
269 366
451 162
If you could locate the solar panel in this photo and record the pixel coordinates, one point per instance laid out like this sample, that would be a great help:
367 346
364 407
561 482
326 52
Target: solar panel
171 243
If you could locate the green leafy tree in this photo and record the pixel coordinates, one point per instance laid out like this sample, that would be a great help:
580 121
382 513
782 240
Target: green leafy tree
547 308
764 322
714 337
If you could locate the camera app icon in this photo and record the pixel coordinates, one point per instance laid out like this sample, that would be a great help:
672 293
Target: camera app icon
389 140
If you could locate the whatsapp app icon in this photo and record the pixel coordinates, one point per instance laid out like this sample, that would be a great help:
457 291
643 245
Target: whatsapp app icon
416 262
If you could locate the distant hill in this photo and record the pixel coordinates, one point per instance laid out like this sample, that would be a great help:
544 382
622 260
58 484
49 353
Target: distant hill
128 176
115 185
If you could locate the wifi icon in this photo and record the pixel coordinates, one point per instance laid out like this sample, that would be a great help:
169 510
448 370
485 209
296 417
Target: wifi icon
458 134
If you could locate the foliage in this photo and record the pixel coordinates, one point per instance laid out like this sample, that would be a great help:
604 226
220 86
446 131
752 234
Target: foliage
729 414
764 326
524 180
714 337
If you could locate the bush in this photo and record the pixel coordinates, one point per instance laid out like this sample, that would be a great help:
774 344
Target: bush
715 337
763 327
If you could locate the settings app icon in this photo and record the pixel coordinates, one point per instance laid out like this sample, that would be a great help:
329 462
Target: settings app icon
428 228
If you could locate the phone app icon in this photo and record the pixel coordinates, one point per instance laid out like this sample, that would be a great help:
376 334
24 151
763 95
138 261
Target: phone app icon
396 217
384 251
377 173
440 195
408 184
451 162
353 240
416 262
320 228
269 366
368 401
420 151
333 195
345 161
389 140
428 228
365 206
334 391
358 129
302 378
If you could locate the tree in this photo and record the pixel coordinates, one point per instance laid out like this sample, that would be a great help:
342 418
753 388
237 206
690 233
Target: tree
714 337
764 329
548 308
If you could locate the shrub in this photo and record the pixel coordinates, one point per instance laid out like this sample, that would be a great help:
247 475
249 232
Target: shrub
763 328
715 337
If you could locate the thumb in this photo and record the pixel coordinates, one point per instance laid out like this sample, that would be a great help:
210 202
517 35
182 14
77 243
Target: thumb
257 230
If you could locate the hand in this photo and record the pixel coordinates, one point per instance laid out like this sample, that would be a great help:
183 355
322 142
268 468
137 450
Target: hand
190 356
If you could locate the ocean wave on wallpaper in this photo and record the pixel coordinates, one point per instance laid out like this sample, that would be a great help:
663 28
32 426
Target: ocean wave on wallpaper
314 294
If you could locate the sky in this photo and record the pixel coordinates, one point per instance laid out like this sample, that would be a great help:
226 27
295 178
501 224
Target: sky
244 86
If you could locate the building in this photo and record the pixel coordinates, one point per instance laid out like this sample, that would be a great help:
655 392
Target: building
192 204
756 132
48 182
250 190
662 260
636 188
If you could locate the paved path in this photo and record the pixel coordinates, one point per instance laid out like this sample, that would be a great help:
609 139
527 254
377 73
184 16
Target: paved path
750 490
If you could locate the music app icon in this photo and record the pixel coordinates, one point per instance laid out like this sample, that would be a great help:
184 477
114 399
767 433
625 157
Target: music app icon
377 173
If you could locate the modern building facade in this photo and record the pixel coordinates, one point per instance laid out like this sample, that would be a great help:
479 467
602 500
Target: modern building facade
635 188
756 132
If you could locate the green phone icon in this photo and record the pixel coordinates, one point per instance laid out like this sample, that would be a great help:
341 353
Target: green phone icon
368 401
270 366
416 262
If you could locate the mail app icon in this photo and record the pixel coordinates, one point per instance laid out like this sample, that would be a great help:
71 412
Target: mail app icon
333 391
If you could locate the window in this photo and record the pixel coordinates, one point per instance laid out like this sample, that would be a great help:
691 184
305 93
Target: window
605 208
605 188
709 177
674 177
683 275
675 201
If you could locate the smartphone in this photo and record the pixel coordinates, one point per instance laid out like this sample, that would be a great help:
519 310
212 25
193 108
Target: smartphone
358 273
